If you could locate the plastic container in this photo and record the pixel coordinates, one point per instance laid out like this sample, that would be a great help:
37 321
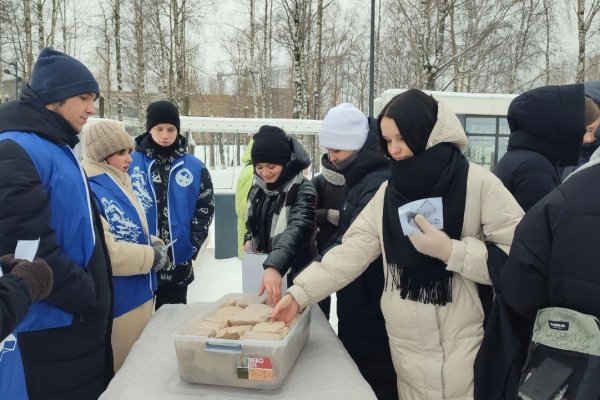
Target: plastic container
255 364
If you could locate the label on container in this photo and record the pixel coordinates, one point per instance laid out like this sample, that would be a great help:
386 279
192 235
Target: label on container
254 368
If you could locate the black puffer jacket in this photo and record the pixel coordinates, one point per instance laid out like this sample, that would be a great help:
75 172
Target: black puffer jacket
361 326
15 299
547 129
552 263
329 185
554 255
295 246
584 156
82 351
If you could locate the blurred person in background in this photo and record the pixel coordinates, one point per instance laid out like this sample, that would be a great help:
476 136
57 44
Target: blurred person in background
546 134
242 189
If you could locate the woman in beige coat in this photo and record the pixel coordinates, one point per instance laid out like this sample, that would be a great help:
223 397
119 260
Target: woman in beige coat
433 313
134 254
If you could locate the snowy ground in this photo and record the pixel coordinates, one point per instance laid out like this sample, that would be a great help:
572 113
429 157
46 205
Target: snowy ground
216 278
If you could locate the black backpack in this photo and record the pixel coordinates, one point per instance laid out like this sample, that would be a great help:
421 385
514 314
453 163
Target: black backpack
563 360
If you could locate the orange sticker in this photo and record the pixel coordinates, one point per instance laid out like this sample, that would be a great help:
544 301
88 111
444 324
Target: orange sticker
259 374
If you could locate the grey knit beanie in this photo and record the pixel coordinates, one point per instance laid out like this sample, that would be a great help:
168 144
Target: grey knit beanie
344 127
105 138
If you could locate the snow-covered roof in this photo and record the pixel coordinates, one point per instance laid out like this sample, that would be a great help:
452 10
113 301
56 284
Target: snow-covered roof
461 103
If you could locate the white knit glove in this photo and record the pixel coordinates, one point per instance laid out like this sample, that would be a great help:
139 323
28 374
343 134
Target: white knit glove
432 242
333 216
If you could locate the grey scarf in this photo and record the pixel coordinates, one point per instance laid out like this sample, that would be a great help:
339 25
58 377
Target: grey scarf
284 202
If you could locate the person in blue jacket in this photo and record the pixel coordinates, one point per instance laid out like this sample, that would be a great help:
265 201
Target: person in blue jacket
64 341
176 192
135 255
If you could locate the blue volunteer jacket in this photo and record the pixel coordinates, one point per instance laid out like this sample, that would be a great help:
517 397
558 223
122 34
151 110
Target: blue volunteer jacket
68 196
125 226
184 187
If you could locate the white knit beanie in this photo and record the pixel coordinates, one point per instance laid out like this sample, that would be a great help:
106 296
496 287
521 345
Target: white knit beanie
105 138
344 127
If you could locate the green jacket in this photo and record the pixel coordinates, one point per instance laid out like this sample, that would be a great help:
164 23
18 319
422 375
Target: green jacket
242 188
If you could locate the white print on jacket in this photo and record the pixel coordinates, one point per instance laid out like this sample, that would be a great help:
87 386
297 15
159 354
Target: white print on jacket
138 181
184 177
166 277
121 227
8 345
205 193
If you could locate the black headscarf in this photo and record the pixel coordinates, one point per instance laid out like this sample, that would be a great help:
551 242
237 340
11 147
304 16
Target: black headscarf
440 171
415 115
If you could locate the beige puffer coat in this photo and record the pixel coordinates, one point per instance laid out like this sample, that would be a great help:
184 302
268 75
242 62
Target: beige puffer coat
433 347
126 259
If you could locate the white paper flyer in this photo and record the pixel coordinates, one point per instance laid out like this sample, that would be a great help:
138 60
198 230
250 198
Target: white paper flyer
431 208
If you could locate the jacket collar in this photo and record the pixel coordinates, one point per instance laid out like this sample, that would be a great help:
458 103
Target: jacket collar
28 114
94 168
144 144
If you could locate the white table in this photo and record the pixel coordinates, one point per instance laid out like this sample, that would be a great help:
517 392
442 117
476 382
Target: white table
324 370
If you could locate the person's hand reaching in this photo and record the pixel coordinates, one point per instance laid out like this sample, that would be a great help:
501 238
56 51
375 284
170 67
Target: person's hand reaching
285 310
271 282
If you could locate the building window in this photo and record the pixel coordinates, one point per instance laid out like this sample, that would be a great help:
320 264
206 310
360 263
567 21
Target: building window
480 125
488 138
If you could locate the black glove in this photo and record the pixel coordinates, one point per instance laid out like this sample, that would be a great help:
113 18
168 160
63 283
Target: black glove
36 274
161 256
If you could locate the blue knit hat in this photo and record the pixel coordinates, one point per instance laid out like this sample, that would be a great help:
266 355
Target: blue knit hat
57 76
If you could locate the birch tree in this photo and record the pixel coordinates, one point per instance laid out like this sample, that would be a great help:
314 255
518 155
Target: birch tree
138 60
64 30
28 38
267 59
319 55
105 52
119 66
3 24
39 10
548 7
253 61
296 23
53 22
584 22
